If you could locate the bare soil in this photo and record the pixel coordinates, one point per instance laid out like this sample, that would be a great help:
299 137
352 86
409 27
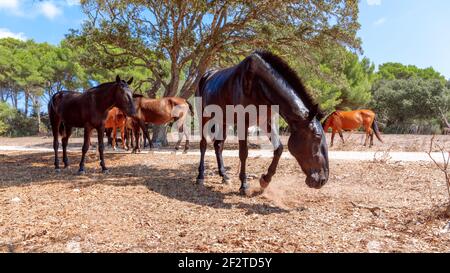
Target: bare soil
150 203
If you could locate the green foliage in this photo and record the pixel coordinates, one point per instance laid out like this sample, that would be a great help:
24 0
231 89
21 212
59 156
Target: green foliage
409 101
397 71
6 112
192 36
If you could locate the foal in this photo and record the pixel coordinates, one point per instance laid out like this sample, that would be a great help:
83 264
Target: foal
87 110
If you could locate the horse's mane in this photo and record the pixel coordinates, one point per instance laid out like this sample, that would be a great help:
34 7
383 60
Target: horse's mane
291 77
102 85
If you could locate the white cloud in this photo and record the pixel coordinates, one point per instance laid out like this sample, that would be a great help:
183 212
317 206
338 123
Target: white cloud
73 2
380 21
5 33
9 4
373 2
49 10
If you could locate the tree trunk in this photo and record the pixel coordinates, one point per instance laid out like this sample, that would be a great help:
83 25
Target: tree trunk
151 93
37 111
26 103
159 138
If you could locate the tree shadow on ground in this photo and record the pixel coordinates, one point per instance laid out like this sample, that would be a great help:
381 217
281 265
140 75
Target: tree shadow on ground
175 183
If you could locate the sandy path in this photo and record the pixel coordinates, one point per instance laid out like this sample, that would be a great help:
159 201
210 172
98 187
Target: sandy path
264 153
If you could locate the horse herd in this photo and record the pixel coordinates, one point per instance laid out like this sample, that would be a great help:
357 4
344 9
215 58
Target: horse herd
262 78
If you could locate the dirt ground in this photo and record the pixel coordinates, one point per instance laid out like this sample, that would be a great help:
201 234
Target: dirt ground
149 203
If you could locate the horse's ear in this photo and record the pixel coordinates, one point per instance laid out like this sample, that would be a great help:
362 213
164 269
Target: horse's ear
117 79
130 81
313 112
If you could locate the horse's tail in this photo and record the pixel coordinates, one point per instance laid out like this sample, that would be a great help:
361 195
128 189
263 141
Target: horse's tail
191 109
52 112
375 129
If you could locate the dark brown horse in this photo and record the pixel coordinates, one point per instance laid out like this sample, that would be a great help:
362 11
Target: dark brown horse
265 79
87 110
158 112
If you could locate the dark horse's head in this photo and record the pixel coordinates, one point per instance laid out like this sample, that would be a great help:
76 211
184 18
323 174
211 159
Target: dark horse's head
279 85
123 96
308 145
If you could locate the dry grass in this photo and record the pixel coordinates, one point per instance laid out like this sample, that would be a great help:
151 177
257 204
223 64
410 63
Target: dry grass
149 203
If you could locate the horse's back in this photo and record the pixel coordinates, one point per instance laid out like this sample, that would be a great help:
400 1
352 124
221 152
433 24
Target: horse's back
217 87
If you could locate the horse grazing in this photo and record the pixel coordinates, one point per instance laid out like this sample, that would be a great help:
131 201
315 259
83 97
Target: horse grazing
158 112
353 120
263 78
116 119
88 110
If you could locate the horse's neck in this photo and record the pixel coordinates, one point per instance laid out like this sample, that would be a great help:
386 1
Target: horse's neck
104 99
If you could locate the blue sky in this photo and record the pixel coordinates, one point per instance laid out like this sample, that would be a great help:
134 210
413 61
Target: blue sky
407 31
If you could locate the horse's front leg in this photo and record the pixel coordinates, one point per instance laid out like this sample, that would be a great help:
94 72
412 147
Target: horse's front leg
277 152
136 131
101 148
243 154
218 147
65 142
86 143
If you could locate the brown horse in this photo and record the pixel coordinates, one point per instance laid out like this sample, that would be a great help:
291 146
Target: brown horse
264 79
116 119
158 112
88 110
353 120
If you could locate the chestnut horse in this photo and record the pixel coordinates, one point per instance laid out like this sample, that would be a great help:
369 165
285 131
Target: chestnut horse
88 110
263 79
158 112
353 120
116 119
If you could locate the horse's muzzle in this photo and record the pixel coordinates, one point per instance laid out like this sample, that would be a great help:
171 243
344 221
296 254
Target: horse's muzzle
317 180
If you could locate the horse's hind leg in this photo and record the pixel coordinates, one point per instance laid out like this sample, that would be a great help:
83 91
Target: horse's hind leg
55 129
180 135
201 167
342 136
122 135
86 143
114 134
65 141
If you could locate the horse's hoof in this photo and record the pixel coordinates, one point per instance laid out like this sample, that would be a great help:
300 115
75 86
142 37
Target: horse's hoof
263 183
106 171
58 170
81 172
185 151
226 180
200 181
245 191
